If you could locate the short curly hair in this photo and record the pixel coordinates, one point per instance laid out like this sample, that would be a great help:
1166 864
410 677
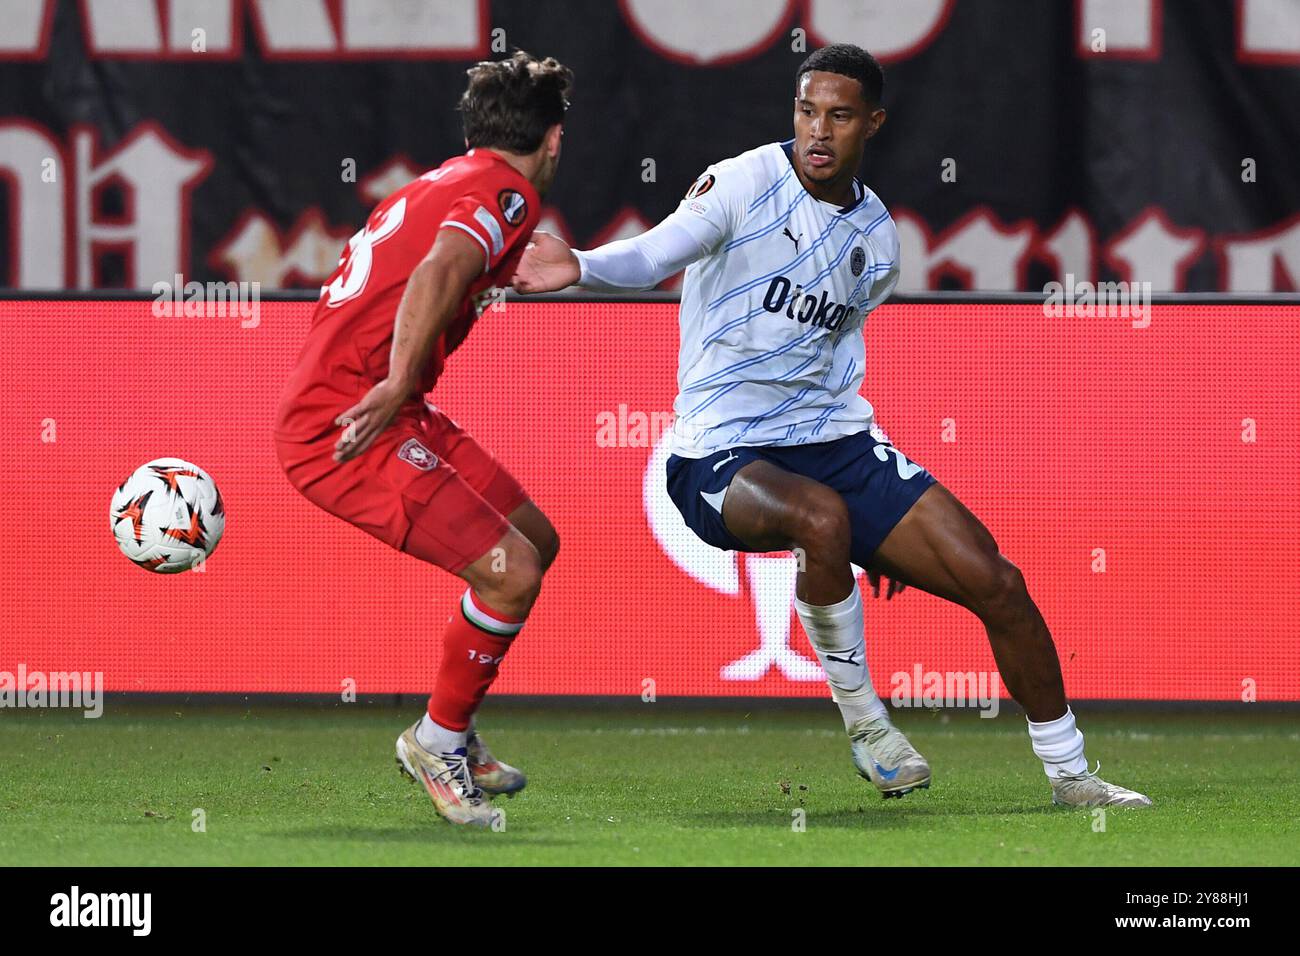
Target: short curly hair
510 104
847 60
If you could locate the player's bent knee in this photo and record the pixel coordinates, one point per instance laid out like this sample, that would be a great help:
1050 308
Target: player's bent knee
509 577
820 524
1001 590
548 547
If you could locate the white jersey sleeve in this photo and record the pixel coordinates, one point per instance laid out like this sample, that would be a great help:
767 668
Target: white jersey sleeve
884 287
712 208
720 199
644 261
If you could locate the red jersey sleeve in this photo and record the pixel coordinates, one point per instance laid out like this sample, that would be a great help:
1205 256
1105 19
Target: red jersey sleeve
499 219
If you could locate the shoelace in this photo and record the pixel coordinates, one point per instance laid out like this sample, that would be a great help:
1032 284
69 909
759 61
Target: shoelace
458 776
1084 775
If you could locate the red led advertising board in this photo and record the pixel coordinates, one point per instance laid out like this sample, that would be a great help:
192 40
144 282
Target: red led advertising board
1143 477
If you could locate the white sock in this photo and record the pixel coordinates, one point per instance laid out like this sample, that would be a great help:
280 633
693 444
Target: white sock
437 739
836 631
1059 745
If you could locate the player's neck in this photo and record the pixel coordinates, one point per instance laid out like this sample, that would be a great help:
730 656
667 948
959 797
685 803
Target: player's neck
527 165
838 191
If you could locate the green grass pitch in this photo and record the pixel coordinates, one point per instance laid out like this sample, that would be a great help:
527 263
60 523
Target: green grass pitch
661 784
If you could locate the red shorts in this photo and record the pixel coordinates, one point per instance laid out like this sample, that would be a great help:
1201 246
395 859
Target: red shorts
424 487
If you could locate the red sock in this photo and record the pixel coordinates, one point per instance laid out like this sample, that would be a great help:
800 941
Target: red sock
473 645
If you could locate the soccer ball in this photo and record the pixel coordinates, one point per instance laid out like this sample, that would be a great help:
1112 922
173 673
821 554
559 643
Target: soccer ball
167 516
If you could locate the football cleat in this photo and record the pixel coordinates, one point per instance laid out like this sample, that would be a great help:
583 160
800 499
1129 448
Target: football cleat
1088 790
447 779
883 755
490 774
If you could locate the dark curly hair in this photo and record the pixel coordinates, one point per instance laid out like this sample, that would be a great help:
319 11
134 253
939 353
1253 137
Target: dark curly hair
510 104
847 60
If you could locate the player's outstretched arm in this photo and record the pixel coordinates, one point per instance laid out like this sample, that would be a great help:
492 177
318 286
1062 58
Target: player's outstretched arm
437 287
641 262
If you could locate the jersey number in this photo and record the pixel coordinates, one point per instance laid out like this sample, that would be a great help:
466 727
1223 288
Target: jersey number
906 469
360 256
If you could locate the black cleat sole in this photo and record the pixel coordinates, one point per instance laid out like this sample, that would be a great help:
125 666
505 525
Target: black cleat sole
887 794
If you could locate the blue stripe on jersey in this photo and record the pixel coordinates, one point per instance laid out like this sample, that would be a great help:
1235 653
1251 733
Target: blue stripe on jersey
818 424
848 374
770 228
745 363
825 417
722 390
776 410
741 320
798 260
792 373
771 189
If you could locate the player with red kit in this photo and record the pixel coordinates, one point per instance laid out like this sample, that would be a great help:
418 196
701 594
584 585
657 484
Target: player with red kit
407 291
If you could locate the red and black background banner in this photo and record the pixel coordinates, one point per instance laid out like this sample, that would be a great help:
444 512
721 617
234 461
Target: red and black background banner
1027 140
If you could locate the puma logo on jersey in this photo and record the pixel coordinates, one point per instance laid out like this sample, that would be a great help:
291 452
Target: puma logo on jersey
789 235
805 307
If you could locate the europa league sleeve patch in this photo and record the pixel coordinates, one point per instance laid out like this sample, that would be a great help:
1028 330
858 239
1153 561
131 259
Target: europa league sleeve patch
514 207
701 186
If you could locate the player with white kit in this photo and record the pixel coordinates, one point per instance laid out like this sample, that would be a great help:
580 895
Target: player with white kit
773 446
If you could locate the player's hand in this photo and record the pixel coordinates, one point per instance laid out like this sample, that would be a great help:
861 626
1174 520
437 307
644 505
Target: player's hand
548 264
363 422
894 587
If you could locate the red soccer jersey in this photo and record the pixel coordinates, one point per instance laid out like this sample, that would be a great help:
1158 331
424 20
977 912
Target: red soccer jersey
352 326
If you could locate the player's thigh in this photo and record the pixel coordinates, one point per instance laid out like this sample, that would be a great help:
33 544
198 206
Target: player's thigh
771 508
494 482
402 492
474 463
940 546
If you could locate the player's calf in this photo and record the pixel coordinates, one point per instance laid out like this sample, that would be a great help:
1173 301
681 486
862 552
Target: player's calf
504 583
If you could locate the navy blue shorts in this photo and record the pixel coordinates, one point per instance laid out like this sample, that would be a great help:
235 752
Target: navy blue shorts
877 482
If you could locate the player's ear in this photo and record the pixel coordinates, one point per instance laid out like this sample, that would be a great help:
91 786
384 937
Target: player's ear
875 120
551 141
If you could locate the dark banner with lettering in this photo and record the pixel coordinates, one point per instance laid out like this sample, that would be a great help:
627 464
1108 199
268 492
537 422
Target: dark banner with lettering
1028 140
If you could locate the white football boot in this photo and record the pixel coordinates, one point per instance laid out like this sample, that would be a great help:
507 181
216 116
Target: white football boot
447 779
1089 790
491 775
883 755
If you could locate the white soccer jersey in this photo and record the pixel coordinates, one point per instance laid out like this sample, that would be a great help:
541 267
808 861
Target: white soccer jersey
772 350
